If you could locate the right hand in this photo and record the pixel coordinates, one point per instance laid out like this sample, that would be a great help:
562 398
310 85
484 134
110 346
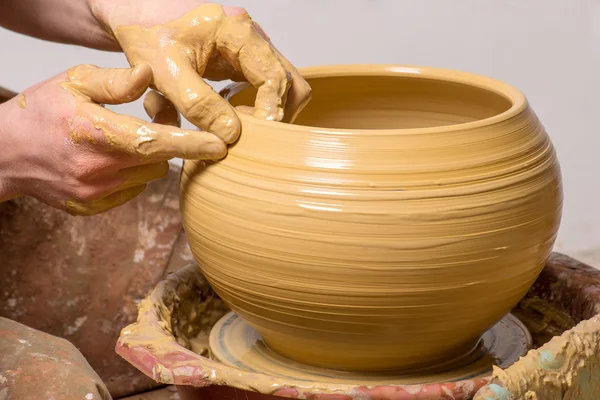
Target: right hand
186 42
61 146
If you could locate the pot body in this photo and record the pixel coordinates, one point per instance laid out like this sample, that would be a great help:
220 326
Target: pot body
404 213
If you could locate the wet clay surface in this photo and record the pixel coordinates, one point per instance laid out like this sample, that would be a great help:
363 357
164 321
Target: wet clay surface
81 278
169 342
150 345
393 247
233 342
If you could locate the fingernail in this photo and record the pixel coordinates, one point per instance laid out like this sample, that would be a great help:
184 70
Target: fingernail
212 147
227 128
217 150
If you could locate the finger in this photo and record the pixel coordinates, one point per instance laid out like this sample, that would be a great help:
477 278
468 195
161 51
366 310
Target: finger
113 200
161 110
197 100
241 44
299 93
149 141
141 174
110 85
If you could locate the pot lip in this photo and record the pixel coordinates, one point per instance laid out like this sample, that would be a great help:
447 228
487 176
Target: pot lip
511 93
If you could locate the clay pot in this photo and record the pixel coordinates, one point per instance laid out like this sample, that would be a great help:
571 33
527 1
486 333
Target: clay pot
404 213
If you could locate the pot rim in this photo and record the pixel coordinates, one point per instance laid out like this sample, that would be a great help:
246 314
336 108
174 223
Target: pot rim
518 100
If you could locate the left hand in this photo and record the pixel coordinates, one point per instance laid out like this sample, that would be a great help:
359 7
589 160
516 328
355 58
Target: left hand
186 40
72 153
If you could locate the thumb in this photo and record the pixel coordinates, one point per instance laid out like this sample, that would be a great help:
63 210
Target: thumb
110 85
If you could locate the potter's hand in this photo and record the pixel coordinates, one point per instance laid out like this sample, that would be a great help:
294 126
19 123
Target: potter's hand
185 41
60 146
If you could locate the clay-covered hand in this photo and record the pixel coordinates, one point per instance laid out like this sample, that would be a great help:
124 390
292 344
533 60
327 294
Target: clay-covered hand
188 40
35 365
63 147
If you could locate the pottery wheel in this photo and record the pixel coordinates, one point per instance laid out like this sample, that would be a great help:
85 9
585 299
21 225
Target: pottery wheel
235 343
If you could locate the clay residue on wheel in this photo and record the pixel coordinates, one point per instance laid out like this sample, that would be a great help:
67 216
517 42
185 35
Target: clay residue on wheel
168 344
183 309
564 368
543 319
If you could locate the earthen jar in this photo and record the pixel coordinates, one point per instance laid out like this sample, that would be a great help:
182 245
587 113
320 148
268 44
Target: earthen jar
403 213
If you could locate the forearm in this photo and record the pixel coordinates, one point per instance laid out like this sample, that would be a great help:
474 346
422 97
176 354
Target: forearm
65 21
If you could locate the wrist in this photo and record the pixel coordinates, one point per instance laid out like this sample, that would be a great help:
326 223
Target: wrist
69 22
103 32
112 14
100 10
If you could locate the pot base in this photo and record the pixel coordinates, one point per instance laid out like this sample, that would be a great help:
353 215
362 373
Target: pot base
169 343
235 343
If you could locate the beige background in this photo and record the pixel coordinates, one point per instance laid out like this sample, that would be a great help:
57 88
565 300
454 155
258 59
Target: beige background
550 49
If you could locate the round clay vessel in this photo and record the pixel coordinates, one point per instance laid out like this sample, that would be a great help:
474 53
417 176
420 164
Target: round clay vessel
404 213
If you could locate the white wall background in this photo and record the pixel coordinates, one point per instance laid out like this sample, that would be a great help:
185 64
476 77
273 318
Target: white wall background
550 49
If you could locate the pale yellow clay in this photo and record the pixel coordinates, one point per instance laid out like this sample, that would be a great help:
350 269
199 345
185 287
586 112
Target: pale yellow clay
111 155
565 368
151 143
404 213
22 101
232 342
219 47
127 134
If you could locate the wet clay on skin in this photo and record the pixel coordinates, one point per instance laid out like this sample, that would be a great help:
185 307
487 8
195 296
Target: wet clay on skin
218 47
403 214
207 41
150 144
22 101
128 134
